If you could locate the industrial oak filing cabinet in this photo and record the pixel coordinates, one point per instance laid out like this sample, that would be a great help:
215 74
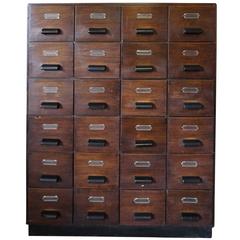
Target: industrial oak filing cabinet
121 119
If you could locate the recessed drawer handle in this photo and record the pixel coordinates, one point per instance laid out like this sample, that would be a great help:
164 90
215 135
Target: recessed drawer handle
49 162
50 178
192 31
142 164
141 200
51 67
193 105
97 105
50 105
143 179
190 90
192 143
189 164
143 216
144 105
95 163
51 31
96 199
193 68
191 15
144 143
190 127
50 198
191 180
191 217
97 142
144 69
51 142
190 53
96 216
49 214
145 31
144 128
97 31
97 179
189 200
97 68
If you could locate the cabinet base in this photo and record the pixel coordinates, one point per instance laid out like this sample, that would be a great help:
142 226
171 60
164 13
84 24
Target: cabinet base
122 231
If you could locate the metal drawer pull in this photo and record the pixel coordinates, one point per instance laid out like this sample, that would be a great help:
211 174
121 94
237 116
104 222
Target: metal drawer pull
95 163
192 143
97 53
51 67
143 216
143 127
141 200
96 89
193 105
193 68
97 68
189 200
97 30
48 90
191 128
145 31
49 126
51 31
144 69
144 143
96 199
190 90
191 15
96 127
50 178
143 179
97 15
50 198
191 217
96 216
189 164
144 16
97 106
51 16
50 214
50 105
142 164
190 53
97 142
143 90
191 180
97 179
50 53
49 162
144 105
192 31
51 142
144 52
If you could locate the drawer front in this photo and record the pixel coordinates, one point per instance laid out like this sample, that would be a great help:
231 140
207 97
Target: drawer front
50 134
191 135
144 23
141 97
191 97
53 60
50 97
51 23
143 135
144 60
96 207
49 206
188 171
142 208
97 60
142 171
97 134
192 60
190 208
96 170
97 23
97 97
192 23
46 169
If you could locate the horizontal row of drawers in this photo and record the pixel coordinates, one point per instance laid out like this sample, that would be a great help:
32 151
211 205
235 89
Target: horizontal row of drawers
100 97
92 206
138 23
139 60
138 134
101 170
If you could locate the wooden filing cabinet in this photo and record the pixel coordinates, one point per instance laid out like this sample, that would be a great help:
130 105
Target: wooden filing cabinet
121 119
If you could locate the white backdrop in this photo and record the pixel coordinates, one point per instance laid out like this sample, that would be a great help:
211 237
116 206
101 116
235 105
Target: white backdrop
13 16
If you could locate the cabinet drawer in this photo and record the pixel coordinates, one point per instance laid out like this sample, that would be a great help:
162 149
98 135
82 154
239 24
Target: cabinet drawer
142 208
188 171
97 23
141 97
49 206
50 169
96 207
192 60
97 134
53 60
190 208
144 23
97 97
50 97
142 171
96 170
192 23
97 60
190 135
51 22
191 97
144 60
50 134
143 135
